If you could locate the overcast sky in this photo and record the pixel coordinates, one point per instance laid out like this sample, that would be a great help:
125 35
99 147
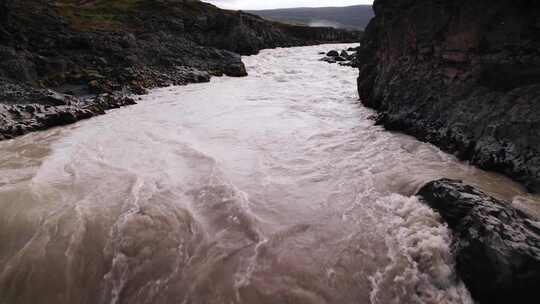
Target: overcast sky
265 4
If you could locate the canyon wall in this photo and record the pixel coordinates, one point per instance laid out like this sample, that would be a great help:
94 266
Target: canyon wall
463 75
65 60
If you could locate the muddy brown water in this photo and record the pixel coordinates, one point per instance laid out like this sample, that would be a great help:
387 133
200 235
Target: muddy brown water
276 188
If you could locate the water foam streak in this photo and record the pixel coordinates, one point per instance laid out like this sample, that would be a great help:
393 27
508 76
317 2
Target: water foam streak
275 188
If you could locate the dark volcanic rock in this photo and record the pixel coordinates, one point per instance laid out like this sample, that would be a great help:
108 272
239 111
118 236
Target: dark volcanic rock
246 34
19 119
348 64
52 53
332 53
464 75
343 58
328 59
497 246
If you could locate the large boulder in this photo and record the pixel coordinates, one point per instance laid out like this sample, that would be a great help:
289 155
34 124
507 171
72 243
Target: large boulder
332 53
497 246
236 70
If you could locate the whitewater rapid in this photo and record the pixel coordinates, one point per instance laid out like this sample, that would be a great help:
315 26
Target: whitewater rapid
275 188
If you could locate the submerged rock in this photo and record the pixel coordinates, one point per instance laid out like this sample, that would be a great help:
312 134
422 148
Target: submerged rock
497 246
328 59
347 64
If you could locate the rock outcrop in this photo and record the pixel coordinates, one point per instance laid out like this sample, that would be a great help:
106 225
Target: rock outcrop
497 246
347 57
464 75
95 50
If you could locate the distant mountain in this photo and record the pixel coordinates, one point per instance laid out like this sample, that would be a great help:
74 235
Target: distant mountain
353 17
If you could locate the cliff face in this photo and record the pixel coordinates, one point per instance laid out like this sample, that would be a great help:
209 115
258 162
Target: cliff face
246 34
54 54
464 75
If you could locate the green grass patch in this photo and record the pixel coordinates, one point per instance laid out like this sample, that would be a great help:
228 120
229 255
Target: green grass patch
97 14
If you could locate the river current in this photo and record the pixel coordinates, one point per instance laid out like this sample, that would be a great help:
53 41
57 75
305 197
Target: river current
275 188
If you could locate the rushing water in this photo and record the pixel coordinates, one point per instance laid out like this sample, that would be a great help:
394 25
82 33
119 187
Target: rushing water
276 188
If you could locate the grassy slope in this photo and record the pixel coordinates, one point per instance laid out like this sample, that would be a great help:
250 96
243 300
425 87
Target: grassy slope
99 14
118 14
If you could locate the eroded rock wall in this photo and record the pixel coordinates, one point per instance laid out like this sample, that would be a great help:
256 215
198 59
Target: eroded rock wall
464 75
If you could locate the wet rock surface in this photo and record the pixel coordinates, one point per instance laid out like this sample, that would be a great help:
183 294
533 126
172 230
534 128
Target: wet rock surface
19 119
462 75
57 56
347 57
497 246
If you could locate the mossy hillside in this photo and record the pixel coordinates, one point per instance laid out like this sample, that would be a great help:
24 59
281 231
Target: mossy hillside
100 14
123 14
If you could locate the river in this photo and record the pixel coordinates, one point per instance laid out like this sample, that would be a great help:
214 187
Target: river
275 188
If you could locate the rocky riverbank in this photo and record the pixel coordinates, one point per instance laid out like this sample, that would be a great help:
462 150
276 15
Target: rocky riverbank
348 57
497 246
62 61
464 75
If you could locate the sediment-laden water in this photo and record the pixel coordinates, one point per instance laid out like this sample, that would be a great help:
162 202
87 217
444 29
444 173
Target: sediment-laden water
276 188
